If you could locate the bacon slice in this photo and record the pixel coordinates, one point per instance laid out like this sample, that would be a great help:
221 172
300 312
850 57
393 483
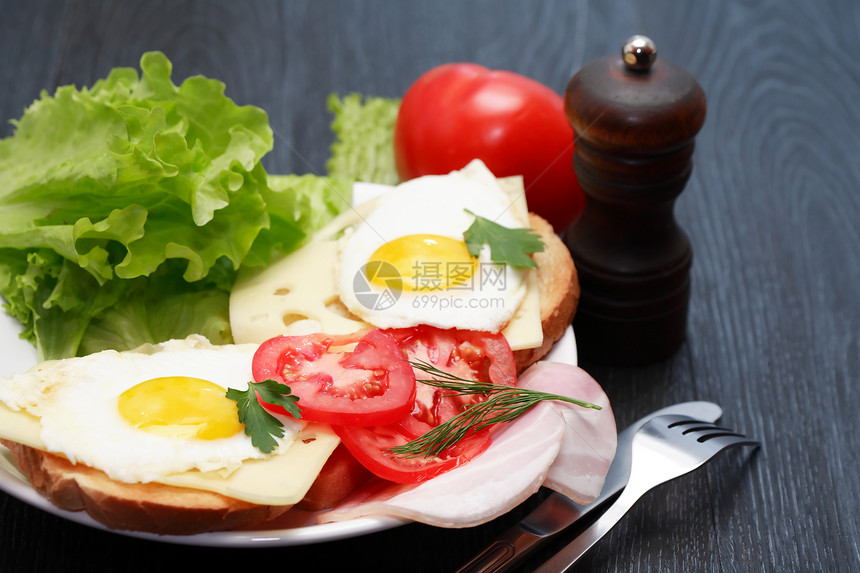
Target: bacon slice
566 447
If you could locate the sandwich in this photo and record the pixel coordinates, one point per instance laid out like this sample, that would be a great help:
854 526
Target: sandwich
394 268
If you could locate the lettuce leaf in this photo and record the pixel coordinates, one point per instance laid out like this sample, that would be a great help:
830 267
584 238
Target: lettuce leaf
126 209
363 149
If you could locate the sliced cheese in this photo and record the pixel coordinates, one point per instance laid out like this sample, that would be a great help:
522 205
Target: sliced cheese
294 295
298 293
20 427
281 479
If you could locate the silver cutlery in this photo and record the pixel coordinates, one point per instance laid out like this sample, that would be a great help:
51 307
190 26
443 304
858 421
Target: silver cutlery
665 448
557 512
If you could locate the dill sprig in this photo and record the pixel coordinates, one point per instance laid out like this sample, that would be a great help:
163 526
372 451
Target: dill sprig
502 404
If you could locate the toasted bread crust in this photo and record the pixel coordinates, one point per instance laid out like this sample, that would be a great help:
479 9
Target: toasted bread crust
559 291
152 507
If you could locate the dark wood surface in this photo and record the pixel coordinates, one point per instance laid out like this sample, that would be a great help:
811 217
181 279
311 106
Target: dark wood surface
772 210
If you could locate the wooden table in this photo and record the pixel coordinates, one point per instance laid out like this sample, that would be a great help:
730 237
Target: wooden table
772 210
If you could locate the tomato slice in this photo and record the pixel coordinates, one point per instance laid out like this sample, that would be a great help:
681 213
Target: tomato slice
479 356
369 385
371 447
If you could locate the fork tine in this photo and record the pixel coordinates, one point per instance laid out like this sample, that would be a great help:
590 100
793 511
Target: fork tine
712 431
688 426
705 426
719 441
717 438
697 425
685 421
709 430
734 439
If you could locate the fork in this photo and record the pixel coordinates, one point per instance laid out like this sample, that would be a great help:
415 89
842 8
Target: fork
664 448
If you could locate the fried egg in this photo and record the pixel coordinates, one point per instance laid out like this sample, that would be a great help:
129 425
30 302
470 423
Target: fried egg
406 263
142 415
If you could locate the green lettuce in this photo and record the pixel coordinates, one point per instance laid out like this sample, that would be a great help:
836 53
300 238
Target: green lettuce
364 128
127 208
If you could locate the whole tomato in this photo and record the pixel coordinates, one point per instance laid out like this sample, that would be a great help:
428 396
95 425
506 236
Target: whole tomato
458 112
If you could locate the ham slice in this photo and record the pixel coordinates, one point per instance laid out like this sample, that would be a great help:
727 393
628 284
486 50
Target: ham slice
590 436
566 447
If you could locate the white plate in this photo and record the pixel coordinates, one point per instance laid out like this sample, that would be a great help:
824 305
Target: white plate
294 528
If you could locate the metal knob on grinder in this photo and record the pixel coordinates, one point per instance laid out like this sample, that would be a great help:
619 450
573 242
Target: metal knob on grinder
635 119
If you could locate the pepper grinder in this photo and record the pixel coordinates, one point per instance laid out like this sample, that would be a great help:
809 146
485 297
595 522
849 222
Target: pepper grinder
635 119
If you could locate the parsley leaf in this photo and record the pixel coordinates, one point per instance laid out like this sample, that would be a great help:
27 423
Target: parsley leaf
262 426
511 246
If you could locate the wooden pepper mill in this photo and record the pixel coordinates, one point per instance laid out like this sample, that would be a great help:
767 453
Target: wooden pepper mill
635 119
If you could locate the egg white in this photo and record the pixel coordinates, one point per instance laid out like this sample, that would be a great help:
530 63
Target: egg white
433 205
76 401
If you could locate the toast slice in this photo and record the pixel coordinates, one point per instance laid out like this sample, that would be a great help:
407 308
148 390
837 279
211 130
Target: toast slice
167 509
152 507
559 291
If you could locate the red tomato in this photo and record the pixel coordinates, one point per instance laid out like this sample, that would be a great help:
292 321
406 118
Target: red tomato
471 355
370 385
455 113
370 446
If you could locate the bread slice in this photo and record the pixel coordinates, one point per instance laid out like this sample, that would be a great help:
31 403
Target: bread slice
171 510
167 509
151 507
559 291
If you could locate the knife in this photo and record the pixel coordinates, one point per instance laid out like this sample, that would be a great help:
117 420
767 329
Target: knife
557 512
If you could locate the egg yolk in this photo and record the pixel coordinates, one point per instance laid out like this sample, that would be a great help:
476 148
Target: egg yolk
180 407
427 262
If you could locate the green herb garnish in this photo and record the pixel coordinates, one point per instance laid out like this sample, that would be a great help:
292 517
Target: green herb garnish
502 404
262 426
507 246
